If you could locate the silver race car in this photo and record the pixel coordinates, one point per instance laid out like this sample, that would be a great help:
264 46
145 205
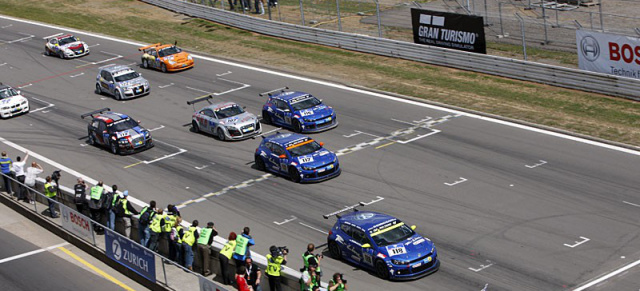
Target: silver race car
65 46
225 120
121 82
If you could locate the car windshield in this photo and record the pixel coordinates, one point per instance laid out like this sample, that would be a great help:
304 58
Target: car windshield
123 125
305 149
392 236
127 77
67 40
172 50
229 111
306 103
7 93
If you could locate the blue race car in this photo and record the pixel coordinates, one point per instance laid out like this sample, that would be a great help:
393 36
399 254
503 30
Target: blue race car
383 244
297 156
298 111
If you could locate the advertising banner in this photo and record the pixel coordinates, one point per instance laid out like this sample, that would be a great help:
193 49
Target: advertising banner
130 254
448 30
608 53
76 223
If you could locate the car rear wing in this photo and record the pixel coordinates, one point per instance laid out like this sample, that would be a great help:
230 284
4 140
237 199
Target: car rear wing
149 46
269 93
197 100
52 36
92 113
354 207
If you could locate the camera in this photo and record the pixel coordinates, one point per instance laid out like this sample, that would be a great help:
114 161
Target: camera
278 251
56 175
283 250
342 278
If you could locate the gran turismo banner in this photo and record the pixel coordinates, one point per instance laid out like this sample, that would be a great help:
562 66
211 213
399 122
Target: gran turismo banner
608 53
449 30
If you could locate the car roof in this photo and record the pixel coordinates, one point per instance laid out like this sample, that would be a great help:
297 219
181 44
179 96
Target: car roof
287 139
113 68
110 116
63 36
3 87
290 95
367 219
219 105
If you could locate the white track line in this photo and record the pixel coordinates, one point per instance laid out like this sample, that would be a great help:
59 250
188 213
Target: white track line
32 253
607 276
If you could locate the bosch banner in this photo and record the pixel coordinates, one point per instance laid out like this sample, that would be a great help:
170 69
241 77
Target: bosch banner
449 30
608 53
76 223
130 254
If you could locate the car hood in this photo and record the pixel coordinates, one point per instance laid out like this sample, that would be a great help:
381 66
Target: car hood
316 159
74 45
180 57
132 82
132 132
409 249
240 119
315 112
12 100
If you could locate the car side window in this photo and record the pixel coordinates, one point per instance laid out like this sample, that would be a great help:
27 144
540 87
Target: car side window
95 123
53 41
207 112
108 77
359 236
346 229
153 53
101 126
281 104
278 150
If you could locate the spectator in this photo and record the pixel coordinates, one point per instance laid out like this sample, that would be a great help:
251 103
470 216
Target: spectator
259 5
124 210
253 275
273 3
175 240
309 254
243 243
225 256
188 240
337 284
80 195
146 217
169 221
157 224
231 7
309 277
95 205
50 190
18 169
275 259
109 206
241 282
5 168
204 247
30 180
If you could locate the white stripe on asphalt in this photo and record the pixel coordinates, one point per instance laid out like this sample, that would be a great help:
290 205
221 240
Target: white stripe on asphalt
607 276
32 253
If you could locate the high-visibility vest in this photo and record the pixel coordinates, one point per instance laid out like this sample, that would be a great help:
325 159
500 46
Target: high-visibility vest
178 239
126 209
340 286
205 234
241 245
96 192
303 285
169 222
5 165
155 223
48 193
228 248
189 236
306 259
273 265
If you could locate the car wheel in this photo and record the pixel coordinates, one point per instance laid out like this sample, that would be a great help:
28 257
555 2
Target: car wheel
220 134
145 63
118 96
91 140
297 127
61 54
46 52
194 127
334 250
164 68
260 163
266 118
98 89
294 175
381 270
114 148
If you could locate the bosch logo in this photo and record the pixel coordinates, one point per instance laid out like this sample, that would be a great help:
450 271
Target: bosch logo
116 250
590 48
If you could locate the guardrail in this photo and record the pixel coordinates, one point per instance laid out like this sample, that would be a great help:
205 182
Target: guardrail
494 65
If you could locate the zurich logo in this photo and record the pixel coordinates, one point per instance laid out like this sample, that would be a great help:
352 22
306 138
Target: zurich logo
116 250
590 48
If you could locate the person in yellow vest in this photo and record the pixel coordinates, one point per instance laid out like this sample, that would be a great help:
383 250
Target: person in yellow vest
123 211
175 240
169 221
188 241
309 277
157 224
95 205
204 247
225 256
50 190
275 260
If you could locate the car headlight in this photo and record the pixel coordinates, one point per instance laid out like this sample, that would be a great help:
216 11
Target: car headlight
190 58
308 119
231 128
172 62
400 262
123 141
23 102
5 108
146 84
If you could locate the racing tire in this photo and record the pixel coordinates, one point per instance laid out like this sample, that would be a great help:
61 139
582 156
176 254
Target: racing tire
46 52
381 270
220 134
145 63
98 89
194 127
61 54
117 95
266 118
297 127
260 163
294 175
334 250
164 68
114 149
91 140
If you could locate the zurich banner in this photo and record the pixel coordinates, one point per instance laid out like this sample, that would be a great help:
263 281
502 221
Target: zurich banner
131 255
608 53
448 30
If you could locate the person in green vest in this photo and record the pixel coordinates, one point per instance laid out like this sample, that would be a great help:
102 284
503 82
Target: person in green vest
175 240
225 256
275 260
50 190
124 212
337 283
309 277
188 240
169 221
95 205
309 254
204 247
144 222
243 242
157 224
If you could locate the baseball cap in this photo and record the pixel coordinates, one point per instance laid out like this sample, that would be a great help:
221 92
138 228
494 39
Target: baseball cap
125 193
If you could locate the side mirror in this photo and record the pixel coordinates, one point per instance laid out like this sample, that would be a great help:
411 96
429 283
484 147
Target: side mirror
413 227
282 156
366 246
139 122
321 143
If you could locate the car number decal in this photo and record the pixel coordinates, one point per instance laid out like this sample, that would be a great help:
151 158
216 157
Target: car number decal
283 167
367 258
307 159
287 119
306 112
395 250
122 134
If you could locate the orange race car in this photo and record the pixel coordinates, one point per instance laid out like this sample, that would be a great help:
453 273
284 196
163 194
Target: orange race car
165 57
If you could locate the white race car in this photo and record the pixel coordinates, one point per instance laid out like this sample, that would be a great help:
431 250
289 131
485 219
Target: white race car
65 46
12 102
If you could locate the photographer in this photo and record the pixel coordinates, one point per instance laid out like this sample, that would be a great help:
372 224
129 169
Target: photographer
337 283
309 277
309 254
275 260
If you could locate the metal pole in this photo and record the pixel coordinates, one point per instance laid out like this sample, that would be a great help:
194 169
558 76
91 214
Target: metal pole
338 11
557 21
164 272
524 43
544 17
500 15
378 14
269 9
302 13
601 17
279 14
486 15
468 8
591 19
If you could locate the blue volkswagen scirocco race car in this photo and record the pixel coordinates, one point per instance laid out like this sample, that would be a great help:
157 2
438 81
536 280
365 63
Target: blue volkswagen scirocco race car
297 156
298 111
383 244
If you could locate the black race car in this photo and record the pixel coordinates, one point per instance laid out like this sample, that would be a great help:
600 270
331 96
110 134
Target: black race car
116 131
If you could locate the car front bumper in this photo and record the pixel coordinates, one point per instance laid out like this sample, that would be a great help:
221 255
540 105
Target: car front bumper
320 125
6 113
318 175
136 91
243 133
409 272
